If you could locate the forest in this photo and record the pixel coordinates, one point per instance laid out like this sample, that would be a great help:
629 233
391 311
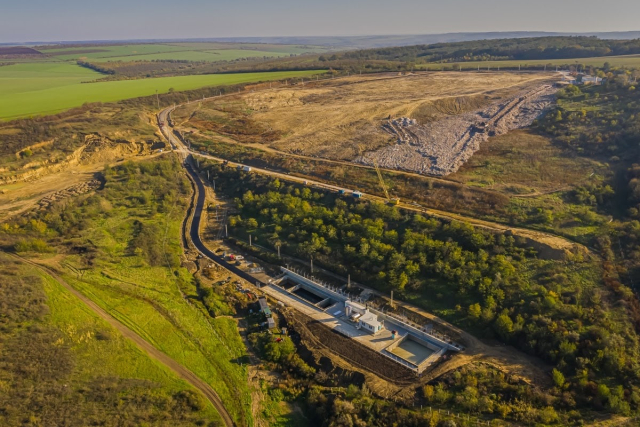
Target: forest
491 284
501 49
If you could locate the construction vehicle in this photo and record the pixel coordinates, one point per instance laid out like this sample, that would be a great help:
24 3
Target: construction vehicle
391 201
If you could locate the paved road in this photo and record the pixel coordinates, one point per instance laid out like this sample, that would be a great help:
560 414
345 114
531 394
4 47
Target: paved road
153 352
510 359
194 231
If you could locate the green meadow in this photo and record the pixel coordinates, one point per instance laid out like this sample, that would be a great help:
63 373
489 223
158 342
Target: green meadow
34 89
85 353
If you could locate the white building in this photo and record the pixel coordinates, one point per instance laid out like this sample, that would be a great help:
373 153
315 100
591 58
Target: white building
591 79
365 319
370 322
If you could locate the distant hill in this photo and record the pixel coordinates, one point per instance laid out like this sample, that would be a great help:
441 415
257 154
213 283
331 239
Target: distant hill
531 48
367 42
362 42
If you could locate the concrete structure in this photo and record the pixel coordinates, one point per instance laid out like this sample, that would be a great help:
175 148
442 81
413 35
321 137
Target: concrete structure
591 80
412 346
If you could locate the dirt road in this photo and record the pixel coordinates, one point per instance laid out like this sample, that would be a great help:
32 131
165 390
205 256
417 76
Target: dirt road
550 240
153 352
550 245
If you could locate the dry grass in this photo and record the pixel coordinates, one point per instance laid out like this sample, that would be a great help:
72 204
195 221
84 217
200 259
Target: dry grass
332 118
521 162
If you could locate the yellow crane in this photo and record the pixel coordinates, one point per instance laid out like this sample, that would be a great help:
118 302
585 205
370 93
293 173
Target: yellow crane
383 185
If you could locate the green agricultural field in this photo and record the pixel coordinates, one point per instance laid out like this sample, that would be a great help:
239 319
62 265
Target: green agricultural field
47 88
200 55
629 61
176 51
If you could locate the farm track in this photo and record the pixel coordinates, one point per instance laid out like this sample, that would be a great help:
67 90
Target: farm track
553 241
141 343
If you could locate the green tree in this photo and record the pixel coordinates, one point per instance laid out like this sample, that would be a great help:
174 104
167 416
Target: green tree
475 311
558 378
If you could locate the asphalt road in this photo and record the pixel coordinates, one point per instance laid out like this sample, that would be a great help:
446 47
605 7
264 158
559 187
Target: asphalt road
194 231
509 358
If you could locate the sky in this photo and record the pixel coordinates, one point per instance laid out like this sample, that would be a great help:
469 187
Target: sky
57 20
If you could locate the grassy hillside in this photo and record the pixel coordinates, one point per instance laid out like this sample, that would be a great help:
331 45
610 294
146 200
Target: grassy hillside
62 365
121 248
39 89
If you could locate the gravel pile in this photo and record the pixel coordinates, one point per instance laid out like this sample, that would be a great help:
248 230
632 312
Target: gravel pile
441 147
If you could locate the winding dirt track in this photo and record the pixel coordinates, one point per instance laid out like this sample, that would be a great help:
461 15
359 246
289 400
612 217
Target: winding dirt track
153 352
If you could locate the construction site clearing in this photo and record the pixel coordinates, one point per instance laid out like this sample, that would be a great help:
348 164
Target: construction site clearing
345 311
441 147
428 123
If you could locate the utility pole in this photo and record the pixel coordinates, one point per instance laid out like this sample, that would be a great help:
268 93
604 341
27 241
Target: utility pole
278 250
311 265
348 281
249 239
226 231
391 299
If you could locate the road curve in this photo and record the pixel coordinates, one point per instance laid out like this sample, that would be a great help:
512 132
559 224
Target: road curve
194 231
153 352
